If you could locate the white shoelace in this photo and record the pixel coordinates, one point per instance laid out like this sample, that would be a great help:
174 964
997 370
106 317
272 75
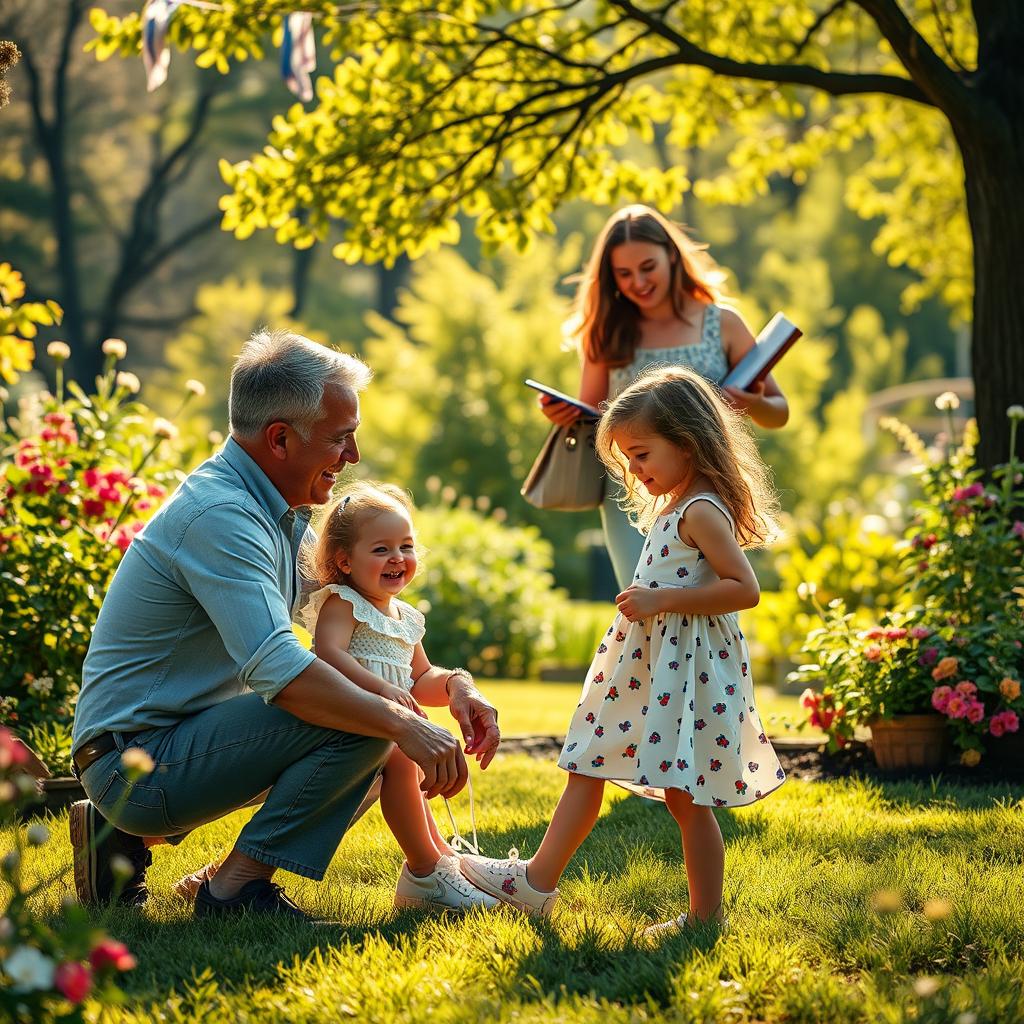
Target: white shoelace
458 842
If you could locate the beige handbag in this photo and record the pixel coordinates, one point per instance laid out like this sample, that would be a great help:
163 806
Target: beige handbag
567 474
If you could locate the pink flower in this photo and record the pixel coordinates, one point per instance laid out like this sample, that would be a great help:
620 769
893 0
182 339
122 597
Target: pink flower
975 712
1018 528
895 634
1005 721
996 725
966 687
966 493
91 477
109 953
956 706
73 980
940 698
920 632
872 652
928 656
11 751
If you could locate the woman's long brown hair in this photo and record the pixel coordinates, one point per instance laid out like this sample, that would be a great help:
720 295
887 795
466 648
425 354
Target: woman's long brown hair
605 324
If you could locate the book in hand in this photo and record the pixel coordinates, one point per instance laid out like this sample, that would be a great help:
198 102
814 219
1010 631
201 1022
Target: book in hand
770 346
590 412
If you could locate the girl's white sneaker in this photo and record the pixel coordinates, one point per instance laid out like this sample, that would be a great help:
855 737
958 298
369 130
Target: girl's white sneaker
506 880
444 888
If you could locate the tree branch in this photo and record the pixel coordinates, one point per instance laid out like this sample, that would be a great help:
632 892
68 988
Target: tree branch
933 75
835 83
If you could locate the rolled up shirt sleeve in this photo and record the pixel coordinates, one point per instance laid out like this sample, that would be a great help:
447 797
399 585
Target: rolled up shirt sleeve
228 559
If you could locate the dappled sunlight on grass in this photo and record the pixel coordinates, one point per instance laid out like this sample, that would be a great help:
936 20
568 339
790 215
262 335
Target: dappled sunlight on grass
811 939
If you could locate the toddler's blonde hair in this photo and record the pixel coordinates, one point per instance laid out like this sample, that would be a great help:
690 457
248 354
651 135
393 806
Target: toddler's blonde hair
339 526
679 405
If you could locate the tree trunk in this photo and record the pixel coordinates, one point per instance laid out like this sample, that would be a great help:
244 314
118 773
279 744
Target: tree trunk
991 143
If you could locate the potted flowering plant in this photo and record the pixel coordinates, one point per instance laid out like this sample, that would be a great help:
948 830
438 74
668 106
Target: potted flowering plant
878 677
951 660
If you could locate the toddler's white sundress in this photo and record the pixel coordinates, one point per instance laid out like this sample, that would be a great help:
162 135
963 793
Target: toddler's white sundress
668 701
379 643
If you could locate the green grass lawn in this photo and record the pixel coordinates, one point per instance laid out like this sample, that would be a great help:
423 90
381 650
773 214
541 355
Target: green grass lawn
849 901
545 708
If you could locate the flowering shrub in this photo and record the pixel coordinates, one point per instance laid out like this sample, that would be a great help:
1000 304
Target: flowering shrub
46 969
957 647
80 475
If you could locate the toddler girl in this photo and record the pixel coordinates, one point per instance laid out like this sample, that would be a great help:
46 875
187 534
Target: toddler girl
668 702
365 556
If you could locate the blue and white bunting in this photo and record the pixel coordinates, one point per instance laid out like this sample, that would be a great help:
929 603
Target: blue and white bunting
298 54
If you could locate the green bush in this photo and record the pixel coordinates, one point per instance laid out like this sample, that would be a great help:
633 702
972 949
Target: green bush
488 591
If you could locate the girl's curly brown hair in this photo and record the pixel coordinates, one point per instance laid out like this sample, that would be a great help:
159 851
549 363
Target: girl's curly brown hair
680 406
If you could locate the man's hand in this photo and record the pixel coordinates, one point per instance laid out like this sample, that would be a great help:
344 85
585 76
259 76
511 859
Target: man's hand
438 754
476 717
639 603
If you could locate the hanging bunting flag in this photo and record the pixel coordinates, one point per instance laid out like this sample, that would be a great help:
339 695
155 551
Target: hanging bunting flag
298 55
155 55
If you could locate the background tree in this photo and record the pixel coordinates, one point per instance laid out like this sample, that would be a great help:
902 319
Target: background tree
506 110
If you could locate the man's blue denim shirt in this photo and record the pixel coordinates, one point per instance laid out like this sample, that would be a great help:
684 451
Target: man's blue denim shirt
200 607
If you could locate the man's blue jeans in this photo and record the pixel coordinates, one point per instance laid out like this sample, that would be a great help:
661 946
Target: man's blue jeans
220 759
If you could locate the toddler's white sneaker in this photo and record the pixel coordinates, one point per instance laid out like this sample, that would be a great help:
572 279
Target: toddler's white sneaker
445 888
506 879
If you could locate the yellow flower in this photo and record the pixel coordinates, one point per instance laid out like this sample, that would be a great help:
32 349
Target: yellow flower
970 758
16 355
1009 688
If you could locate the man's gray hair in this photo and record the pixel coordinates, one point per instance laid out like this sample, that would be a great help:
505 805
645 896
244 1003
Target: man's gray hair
282 376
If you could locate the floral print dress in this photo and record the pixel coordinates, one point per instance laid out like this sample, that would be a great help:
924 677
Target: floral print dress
668 701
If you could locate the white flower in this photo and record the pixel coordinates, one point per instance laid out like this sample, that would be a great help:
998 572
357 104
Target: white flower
137 762
926 987
115 347
947 401
195 387
128 381
29 969
1015 412
806 590
43 685
164 428
38 834
58 350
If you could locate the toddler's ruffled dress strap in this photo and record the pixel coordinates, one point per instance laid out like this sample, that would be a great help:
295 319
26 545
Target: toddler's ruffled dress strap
714 499
410 627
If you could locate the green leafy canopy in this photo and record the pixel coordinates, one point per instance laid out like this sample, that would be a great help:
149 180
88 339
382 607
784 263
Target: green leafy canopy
503 110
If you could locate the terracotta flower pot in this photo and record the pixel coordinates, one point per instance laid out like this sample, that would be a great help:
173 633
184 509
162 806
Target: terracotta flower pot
909 741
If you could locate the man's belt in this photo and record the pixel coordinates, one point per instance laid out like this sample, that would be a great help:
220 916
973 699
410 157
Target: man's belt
92 751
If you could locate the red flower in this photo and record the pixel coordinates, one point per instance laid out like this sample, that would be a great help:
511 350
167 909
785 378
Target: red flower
108 953
73 980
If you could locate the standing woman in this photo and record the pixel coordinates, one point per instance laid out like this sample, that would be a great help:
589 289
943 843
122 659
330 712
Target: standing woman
648 296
